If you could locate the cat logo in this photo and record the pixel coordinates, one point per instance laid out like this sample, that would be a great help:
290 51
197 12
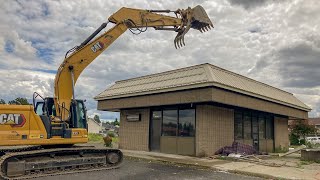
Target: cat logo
15 120
97 46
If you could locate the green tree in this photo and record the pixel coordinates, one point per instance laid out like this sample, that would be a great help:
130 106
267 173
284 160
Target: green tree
2 101
116 122
97 118
19 101
302 129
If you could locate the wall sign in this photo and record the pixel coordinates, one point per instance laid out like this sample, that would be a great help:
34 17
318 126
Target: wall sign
134 117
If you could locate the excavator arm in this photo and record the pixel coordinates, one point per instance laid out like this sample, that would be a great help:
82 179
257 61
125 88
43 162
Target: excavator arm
136 20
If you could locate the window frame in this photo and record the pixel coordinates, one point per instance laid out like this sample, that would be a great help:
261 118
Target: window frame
194 127
177 108
254 114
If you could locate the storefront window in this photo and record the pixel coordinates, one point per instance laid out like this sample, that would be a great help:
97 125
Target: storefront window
269 127
262 127
169 124
247 126
238 126
250 123
186 123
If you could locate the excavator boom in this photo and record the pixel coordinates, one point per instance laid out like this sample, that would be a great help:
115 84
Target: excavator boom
78 58
48 130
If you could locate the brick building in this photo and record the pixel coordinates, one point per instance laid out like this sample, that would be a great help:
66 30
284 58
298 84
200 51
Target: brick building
197 110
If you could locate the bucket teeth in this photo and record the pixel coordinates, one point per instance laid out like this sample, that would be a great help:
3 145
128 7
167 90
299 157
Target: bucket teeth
198 20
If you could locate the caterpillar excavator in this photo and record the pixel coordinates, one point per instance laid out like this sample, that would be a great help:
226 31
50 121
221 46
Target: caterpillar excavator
38 140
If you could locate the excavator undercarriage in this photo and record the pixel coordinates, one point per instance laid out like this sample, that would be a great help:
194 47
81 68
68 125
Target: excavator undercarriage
32 162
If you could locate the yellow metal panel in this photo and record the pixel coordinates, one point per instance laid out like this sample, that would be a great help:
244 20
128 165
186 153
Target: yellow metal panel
14 122
79 61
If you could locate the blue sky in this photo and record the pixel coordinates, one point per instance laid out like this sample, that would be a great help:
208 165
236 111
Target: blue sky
277 43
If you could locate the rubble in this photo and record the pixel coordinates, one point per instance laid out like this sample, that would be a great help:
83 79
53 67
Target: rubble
237 148
293 151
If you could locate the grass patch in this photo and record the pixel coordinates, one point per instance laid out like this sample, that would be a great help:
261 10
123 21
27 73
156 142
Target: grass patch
281 150
115 139
95 137
306 162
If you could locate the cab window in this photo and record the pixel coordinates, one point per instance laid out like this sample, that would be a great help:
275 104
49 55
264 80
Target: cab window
39 108
81 115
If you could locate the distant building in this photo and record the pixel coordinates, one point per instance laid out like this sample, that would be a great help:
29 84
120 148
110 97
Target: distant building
93 126
315 122
197 110
107 127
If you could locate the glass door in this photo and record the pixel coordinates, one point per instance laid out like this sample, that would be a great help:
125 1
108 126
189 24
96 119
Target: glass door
155 130
255 132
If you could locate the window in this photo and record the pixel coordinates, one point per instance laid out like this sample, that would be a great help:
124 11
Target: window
262 127
269 127
238 126
39 108
169 124
81 115
247 126
253 125
186 123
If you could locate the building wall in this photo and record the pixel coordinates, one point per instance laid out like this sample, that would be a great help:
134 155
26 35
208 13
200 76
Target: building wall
93 127
281 133
134 135
214 129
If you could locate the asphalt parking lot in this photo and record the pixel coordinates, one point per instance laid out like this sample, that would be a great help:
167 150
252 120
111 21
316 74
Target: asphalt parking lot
136 169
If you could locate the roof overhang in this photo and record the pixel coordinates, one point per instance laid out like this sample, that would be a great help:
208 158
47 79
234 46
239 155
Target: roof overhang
199 95
204 85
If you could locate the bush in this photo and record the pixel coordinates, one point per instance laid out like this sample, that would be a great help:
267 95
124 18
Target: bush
108 141
294 139
111 134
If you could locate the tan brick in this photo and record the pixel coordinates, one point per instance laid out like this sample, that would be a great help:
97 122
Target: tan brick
134 135
281 133
214 129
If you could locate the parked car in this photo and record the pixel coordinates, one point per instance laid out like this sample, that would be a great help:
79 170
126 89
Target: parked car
313 140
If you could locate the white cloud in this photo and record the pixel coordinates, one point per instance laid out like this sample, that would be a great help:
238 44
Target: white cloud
255 39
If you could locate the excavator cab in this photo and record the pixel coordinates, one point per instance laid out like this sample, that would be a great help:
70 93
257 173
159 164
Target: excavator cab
54 125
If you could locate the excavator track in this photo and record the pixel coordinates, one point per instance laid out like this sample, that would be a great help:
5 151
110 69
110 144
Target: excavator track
49 162
10 149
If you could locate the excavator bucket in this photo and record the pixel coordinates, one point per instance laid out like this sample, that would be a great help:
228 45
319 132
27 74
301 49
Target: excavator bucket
196 18
200 19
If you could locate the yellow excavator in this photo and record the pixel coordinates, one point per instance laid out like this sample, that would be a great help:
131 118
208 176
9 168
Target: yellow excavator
37 140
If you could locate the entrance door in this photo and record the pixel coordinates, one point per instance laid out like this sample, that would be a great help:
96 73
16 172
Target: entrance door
155 131
255 133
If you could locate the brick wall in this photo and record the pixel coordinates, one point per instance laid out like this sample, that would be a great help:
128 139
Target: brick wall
281 134
214 129
134 135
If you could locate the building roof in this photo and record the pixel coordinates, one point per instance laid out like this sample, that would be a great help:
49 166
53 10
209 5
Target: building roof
91 119
203 75
314 121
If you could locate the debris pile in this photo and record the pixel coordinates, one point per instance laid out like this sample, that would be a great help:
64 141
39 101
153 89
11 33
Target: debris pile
237 148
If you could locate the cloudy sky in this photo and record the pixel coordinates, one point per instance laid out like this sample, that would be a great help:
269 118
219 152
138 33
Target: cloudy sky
274 42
